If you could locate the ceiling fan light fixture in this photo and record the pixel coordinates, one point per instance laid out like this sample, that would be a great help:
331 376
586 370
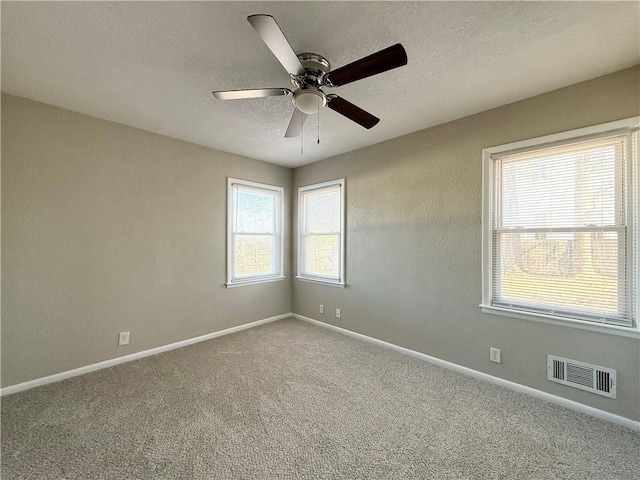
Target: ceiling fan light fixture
311 72
309 100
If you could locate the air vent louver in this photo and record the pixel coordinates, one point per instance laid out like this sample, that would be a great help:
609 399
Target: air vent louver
558 370
584 376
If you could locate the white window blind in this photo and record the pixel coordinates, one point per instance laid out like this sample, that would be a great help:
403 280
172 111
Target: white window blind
321 240
254 232
562 229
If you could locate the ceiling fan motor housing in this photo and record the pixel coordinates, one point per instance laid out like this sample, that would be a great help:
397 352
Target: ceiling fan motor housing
316 67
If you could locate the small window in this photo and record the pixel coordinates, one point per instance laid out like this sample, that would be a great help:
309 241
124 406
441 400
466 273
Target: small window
321 232
559 222
254 233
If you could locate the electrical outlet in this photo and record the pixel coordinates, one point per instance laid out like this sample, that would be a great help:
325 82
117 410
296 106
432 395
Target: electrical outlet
322 309
494 354
123 339
338 313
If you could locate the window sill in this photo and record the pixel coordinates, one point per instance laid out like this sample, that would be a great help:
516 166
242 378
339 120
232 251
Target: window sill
565 322
254 282
321 282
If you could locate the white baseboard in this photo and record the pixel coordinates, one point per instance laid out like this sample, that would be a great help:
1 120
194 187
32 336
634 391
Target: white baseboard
580 407
134 356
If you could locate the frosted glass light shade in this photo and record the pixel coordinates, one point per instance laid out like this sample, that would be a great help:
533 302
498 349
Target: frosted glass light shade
309 100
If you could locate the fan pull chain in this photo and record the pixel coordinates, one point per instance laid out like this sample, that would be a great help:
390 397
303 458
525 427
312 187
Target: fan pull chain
319 120
301 133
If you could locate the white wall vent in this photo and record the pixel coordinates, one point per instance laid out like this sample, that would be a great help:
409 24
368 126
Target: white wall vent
584 376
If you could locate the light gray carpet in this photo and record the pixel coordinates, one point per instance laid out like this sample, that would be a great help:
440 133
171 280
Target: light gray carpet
290 400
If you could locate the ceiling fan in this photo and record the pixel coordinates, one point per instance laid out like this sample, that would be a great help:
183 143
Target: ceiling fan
310 73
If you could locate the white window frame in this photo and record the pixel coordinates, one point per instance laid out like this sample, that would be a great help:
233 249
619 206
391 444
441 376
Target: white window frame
334 281
279 251
626 126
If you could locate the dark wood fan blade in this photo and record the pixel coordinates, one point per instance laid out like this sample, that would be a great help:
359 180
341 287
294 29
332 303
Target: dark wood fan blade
271 34
387 59
256 93
295 124
352 112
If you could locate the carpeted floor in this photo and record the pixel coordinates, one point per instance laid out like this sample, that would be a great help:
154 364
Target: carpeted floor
289 400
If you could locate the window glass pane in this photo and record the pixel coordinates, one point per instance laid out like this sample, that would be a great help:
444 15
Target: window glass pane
559 240
323 211
254 255
321 239
562 273
322 255
255 211
254 236
566 189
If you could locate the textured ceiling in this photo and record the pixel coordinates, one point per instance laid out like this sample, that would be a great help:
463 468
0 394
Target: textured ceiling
153 65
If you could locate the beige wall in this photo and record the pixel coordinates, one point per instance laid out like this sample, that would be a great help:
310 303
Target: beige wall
106 228
413 257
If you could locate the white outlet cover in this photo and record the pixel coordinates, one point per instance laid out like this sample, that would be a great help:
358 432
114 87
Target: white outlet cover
338 313
494 354
123 339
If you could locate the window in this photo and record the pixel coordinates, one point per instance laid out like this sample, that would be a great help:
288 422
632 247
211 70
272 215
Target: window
321 232
254 233
560 224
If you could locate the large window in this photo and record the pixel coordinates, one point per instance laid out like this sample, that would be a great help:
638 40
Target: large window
560 216
321 232
254 232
